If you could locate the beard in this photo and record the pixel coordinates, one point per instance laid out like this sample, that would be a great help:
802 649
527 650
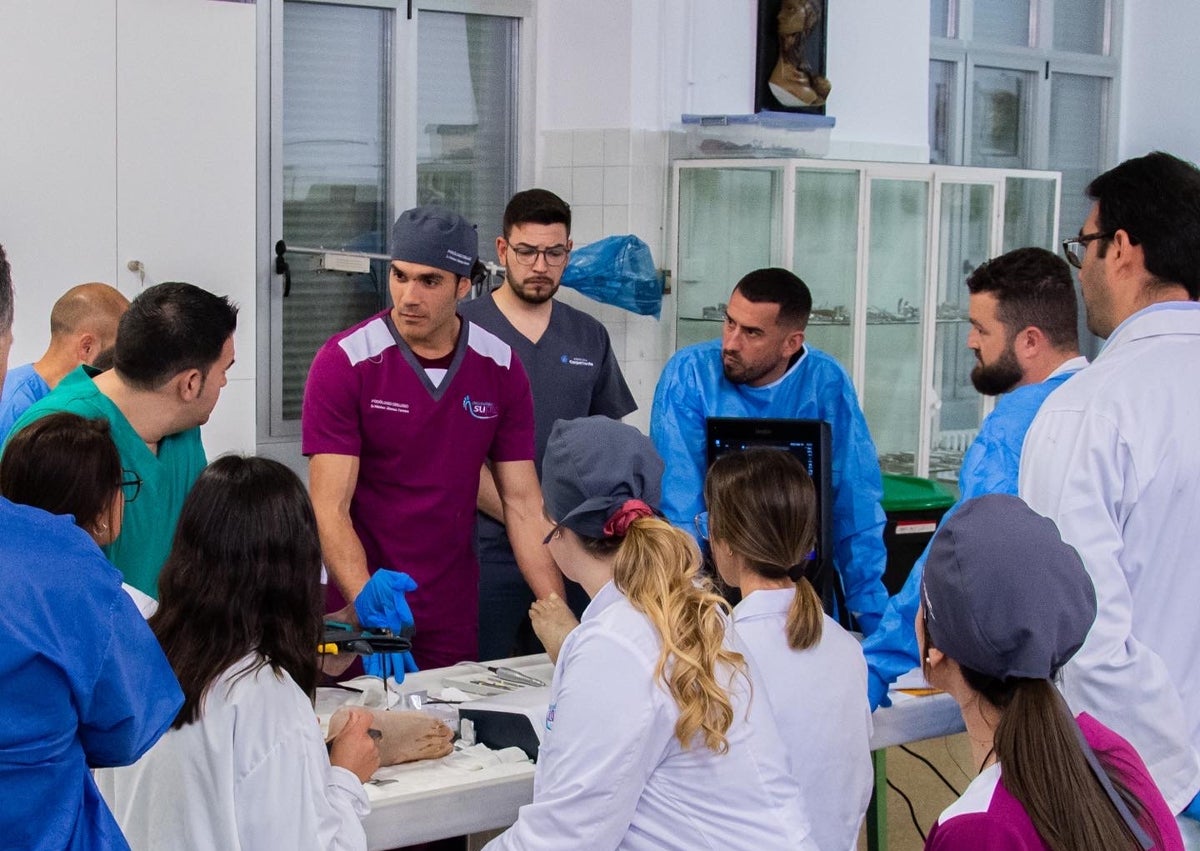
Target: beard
739 372
999 376
526 293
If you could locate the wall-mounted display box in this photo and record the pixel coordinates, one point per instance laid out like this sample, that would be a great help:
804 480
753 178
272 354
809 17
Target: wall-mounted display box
885 249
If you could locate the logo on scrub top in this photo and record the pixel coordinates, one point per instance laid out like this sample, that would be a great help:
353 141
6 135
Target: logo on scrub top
480 410
575 361
550 716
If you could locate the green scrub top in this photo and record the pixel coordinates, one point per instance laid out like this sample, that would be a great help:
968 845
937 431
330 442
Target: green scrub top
149 523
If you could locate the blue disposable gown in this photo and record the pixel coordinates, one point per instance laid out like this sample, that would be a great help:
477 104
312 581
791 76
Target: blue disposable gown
693 387
990 465
85 683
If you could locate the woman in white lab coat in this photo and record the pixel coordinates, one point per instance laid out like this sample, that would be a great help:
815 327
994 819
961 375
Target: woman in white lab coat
762 525
239 618
652 738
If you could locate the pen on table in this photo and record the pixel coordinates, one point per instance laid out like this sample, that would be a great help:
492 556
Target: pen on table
514 676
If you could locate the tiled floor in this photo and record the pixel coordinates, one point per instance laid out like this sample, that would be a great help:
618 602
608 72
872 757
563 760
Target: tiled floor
929 795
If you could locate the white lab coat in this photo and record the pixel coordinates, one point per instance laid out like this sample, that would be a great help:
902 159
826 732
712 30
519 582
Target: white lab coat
611 774
1113 458
253 773
819 699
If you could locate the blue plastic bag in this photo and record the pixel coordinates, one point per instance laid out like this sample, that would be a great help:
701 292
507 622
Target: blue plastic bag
381 603
617 270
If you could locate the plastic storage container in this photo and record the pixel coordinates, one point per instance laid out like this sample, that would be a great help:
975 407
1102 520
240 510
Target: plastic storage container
913 506
763 134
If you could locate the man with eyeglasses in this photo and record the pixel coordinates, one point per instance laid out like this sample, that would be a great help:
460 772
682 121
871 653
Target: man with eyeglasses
173 350
1113 458
573 372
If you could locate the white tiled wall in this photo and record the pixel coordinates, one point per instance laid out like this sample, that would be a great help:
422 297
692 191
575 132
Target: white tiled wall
615 181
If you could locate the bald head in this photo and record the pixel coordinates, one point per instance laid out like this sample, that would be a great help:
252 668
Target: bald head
87 305
84 320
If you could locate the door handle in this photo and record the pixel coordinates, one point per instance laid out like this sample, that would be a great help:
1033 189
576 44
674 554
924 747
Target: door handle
282 268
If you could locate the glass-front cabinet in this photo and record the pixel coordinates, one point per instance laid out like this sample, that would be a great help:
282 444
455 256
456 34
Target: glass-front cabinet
740 233
885 249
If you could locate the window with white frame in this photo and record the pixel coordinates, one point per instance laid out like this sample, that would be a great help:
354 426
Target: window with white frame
374 111
1027 84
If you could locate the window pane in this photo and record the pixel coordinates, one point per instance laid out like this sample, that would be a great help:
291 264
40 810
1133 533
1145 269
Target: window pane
728 224
466 114
1077 140
1079 106
826 256
895 289
334 176
1002 101
1002 22
939 19
1029 213
1079 25
943 112
964 243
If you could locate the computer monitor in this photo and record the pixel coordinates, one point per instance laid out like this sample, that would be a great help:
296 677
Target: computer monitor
808 440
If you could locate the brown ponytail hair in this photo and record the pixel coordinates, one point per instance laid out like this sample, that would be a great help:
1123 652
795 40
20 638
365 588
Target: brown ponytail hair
657 568
1044 767
762 504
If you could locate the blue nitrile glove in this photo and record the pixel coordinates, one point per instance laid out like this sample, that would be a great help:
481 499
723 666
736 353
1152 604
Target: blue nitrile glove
877 691
381 603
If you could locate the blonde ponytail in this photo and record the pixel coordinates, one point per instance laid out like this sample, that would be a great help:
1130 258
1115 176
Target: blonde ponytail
657 569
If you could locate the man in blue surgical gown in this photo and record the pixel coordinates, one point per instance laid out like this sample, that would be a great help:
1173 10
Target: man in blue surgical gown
1026 343
760 368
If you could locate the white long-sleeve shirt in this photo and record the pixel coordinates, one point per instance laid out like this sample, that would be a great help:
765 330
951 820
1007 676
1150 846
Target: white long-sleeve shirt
611 774
819 700
1113 458
253 773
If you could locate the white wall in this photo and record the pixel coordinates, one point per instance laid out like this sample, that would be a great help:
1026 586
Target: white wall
57 155
583 64
878 58
1160 79
642 65
132 137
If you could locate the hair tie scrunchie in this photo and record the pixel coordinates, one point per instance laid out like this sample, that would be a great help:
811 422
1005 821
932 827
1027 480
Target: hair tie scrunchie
798 571
630 510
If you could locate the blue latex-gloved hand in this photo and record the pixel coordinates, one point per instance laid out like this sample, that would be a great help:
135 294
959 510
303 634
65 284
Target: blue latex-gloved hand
381 603
877 691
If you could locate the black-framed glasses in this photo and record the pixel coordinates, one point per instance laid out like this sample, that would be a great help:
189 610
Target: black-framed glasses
1075 247
527 255
131 485
700 521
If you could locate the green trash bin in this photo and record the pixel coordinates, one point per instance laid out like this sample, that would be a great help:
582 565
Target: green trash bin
913 507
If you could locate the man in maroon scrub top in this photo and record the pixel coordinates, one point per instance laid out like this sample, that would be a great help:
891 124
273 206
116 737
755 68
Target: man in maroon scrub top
400 412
